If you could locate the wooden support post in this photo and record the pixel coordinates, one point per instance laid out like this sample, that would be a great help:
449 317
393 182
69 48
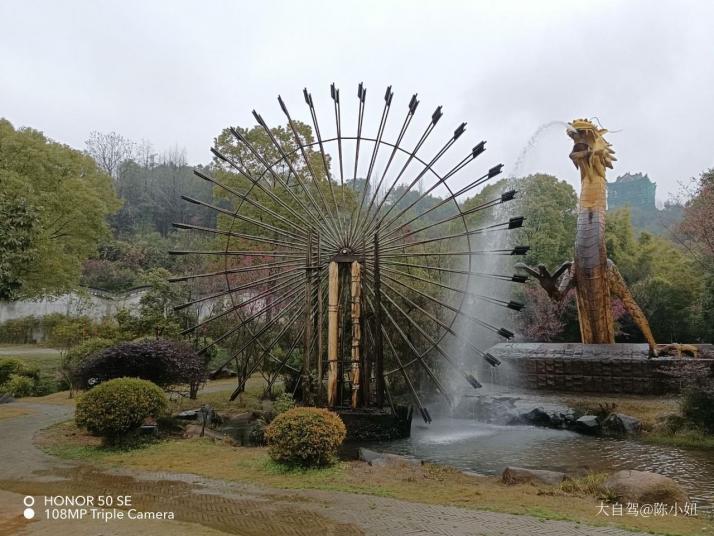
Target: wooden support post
332 327
378 349
356 295
365 369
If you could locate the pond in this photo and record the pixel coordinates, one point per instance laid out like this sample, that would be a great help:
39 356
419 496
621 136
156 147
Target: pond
488 448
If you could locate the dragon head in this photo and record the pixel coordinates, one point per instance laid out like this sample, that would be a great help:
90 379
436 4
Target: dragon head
590 148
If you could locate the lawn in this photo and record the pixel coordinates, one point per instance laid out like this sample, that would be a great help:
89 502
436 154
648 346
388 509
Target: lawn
46 359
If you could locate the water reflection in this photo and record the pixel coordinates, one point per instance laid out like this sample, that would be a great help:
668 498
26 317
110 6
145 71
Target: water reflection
488 448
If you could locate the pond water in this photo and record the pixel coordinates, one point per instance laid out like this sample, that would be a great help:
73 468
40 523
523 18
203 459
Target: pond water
488 448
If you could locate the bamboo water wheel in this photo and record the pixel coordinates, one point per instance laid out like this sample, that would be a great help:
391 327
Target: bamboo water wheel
351 251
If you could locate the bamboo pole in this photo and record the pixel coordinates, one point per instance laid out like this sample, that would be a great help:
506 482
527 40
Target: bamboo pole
332 326
356 291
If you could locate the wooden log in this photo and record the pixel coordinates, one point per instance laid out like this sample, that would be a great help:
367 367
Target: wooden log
332 327
356 295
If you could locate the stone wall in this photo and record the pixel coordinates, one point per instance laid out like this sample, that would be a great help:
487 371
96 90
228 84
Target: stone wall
591 368
94 303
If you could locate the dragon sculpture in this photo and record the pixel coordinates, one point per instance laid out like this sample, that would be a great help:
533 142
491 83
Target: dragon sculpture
595 278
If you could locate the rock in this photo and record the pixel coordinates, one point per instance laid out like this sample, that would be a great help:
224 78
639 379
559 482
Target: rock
222 373
557 420
569 418
537 417
189 414
6 399
367 455
644 487
540 417
194 430
619 425
588 424
520 475
382 458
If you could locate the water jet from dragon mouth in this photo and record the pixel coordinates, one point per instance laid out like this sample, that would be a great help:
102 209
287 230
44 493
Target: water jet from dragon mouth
531 143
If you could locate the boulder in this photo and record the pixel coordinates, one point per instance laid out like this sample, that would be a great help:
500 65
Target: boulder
588 424
557 420
382 458
520 475
644 487
537 417
619 425
6 398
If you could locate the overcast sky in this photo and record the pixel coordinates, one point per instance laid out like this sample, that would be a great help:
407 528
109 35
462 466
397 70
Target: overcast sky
176 72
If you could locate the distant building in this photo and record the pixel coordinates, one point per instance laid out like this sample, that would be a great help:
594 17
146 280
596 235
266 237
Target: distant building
634 190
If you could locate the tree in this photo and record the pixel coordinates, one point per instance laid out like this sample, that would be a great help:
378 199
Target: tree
19 221
110 150
549 207
542 319
69 198
697 228
666 281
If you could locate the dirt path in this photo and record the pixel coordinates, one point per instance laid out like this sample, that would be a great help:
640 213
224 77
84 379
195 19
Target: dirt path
213 507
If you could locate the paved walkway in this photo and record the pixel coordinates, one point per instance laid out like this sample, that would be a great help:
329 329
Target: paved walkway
214 507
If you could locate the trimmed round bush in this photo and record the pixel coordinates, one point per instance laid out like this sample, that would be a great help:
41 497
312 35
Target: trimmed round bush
166 363
305 436
118 406
76 355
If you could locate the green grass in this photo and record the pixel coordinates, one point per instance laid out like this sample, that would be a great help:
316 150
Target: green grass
693 439
46 359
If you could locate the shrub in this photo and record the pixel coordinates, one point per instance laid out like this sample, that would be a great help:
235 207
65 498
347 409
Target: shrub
697 396
698 405
76 355
20 379
119 406
166 363
256 435
18 330
18 386
283 403
67 331
305 436
8 367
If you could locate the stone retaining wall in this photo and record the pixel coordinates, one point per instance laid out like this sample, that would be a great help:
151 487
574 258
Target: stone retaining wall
592 368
